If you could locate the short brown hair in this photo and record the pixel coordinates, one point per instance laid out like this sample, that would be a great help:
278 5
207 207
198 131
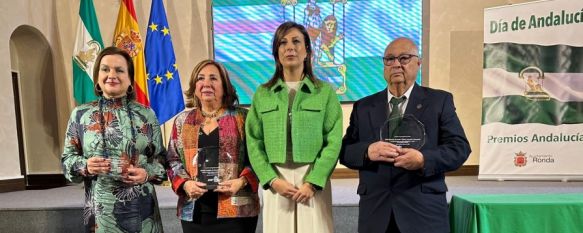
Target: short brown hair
230 97
114 51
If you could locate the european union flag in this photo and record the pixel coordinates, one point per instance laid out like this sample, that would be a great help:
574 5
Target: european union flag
163 80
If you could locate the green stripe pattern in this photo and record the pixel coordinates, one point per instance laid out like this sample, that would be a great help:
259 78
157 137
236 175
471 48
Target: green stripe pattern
519 109
515 57
515 109
88 36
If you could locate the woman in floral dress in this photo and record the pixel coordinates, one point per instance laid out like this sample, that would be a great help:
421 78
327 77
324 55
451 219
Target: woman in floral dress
114 146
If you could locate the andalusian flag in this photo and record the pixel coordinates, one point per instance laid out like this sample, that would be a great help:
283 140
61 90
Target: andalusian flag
529 83
87 46
127 36
532 111
164 81
532 98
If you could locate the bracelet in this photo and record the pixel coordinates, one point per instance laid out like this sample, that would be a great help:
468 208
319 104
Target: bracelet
147 178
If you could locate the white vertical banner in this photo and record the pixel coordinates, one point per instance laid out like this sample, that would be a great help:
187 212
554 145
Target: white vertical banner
532 103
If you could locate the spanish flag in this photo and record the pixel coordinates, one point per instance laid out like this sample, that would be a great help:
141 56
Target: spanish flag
127 36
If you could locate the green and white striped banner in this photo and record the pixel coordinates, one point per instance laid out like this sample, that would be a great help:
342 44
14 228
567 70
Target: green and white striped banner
532 104
87 46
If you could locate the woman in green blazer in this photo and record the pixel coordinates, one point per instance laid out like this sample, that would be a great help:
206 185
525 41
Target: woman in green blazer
294 133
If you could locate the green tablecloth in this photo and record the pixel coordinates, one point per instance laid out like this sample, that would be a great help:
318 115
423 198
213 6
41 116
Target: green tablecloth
509 213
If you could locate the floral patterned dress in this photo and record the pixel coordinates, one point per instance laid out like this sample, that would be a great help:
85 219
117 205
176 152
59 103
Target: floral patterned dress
127 133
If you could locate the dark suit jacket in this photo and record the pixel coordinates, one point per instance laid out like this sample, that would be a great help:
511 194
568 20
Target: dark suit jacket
417 198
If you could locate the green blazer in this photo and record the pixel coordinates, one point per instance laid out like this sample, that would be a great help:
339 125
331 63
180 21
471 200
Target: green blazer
316 130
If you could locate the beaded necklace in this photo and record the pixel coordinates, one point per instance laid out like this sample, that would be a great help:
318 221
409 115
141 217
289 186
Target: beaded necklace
209 116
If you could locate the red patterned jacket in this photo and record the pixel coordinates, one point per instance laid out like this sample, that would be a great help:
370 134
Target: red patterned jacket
182 149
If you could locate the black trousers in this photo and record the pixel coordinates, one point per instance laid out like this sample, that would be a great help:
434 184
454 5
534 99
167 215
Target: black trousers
211 224
393 228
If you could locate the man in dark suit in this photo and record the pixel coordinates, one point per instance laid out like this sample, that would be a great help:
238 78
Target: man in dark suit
403 189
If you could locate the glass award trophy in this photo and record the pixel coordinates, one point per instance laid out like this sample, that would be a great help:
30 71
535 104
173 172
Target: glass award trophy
207 163
119 162
119 167
408 132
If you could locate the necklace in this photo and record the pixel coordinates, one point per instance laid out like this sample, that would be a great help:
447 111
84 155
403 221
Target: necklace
209 116
212 114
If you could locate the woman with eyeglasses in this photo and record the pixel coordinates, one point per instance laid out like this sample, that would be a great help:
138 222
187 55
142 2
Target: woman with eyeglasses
209 167
294 132
114 146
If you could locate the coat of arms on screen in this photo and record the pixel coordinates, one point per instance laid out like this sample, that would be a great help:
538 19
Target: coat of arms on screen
325 22
520 159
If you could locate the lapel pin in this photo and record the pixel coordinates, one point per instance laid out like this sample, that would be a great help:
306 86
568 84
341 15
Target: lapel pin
419 106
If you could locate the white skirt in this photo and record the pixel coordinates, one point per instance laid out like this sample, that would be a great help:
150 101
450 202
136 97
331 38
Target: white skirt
283 215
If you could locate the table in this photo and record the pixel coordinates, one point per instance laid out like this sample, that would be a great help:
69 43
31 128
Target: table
531 213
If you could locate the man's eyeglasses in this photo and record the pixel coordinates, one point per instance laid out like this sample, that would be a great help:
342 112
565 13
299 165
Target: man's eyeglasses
404 59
